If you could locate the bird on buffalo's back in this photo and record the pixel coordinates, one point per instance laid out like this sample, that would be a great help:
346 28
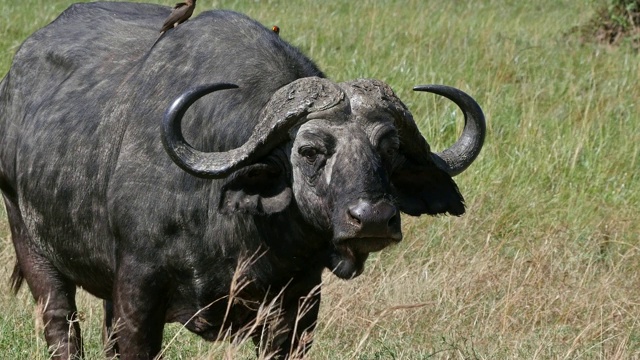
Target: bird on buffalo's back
181 12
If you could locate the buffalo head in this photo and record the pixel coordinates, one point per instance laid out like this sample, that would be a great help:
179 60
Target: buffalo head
348 157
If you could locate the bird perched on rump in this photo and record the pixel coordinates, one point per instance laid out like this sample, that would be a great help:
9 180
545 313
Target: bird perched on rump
181 12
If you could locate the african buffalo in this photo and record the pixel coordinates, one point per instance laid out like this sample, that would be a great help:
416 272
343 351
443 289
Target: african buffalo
202 178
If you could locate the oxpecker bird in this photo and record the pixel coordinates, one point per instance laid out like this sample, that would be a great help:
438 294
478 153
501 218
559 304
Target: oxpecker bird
181 12
275 29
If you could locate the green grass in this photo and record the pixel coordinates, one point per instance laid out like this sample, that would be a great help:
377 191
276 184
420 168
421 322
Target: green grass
545 263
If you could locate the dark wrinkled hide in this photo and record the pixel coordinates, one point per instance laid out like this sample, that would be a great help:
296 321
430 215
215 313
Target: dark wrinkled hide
94 200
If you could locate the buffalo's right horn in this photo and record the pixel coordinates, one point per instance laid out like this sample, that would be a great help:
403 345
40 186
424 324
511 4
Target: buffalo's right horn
287 107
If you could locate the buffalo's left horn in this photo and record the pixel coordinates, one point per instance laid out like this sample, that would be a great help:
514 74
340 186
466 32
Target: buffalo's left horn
288 106
460 155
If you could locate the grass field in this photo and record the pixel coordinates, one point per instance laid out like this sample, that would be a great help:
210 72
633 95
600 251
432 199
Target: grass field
545 263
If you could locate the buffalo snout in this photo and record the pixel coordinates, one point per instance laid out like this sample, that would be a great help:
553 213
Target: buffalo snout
367 222
373 220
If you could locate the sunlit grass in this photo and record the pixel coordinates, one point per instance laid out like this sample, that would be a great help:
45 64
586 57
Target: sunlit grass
543 265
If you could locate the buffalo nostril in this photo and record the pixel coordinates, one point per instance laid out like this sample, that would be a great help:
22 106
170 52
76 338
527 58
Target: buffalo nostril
355 214
393 219
389 213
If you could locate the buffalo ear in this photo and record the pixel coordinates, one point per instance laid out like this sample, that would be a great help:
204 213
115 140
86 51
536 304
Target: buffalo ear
425 189
258 189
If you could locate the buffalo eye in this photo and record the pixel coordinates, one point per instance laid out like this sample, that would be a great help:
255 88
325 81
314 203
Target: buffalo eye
389 148
309 153
391 151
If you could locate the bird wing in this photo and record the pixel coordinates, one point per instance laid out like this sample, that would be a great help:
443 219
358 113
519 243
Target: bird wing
178 14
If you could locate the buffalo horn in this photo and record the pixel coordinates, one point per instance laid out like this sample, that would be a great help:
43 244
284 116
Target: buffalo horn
287 108
460 155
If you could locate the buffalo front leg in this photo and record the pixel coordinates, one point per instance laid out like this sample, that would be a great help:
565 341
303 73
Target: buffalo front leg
53 292
290 335
108 331
139 307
